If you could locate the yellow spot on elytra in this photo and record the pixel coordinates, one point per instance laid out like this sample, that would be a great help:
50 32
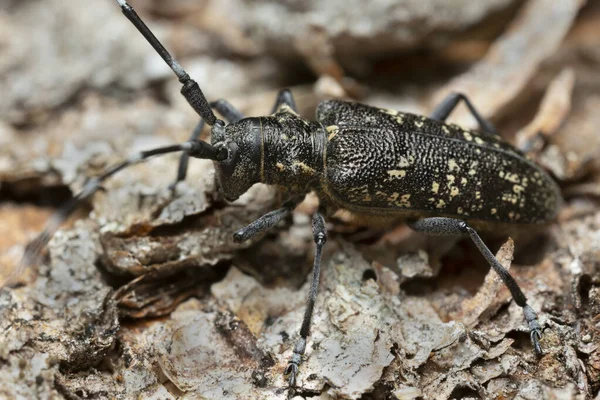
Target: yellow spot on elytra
510 198
388 111
511 215
440 204
452 165
518 189
403 163
467 136
397 173
460 210
435 187
280 166
333 130
463 181
403 202
446 130
477 194
454 191
513 178
418 124
284 137
399 120
472 172
394 196
478 140
451 179
493 211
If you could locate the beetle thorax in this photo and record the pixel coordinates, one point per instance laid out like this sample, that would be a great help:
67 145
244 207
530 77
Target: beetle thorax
292 152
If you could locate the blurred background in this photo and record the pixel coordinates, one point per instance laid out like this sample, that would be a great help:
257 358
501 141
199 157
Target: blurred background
80 89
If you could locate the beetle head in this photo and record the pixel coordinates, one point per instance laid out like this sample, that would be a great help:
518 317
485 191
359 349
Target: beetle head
241 169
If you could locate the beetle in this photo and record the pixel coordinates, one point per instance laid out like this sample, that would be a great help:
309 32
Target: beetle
441 178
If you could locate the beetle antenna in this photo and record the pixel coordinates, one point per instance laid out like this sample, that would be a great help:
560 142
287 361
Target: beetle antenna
196 149
190 90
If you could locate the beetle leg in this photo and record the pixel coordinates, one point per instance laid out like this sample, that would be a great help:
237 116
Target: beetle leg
230 113
284 98
185 158
267 221
320 237
447 105
454 227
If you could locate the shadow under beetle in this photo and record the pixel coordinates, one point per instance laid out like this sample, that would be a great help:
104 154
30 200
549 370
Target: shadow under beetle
441 178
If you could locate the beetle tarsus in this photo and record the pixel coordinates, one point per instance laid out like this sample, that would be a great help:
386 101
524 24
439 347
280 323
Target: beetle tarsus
442 226
296 360
291 370
535 329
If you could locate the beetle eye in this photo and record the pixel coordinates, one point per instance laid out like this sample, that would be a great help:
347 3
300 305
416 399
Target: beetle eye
228 164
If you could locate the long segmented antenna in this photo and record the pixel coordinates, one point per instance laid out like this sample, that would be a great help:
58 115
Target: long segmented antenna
196 149
190 90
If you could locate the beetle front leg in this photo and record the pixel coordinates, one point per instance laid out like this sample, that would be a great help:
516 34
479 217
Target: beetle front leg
230 113
443 110
454 227
267 221
320 237
284 98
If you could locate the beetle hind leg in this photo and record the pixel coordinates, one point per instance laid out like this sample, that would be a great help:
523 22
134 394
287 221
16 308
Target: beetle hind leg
454 227
443 110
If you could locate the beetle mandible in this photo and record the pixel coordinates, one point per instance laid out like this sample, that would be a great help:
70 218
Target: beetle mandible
441 178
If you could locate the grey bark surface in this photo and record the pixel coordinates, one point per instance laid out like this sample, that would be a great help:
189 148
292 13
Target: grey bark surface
144 294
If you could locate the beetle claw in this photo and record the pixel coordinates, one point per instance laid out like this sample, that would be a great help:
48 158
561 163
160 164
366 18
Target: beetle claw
291 370
536 336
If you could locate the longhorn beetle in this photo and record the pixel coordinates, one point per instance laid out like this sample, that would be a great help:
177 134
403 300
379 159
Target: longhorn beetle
373 162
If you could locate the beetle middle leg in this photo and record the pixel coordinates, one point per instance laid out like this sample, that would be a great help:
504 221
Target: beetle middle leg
284 98
320 237
443 110
265 223
454 227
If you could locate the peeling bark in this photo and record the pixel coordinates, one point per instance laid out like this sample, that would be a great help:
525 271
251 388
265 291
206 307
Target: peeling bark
145 295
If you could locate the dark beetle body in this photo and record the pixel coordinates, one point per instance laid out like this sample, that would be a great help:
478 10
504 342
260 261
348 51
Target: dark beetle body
379 164
374 161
